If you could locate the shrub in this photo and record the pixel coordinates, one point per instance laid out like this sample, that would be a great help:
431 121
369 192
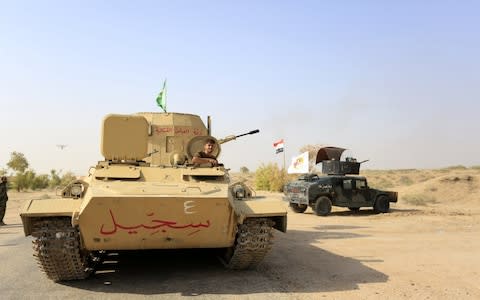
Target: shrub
40 182
405 180
270 178
23 180
55 179
30 180
67 178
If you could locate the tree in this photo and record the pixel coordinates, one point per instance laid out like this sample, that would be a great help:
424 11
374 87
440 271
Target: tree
26 178
23 181
40 182
244 170
67 178
18 162
270 178
55 179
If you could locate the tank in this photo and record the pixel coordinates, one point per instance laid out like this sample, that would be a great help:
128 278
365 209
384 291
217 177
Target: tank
146 194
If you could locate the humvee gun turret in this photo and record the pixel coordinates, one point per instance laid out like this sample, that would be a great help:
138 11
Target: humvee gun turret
340 187
146 194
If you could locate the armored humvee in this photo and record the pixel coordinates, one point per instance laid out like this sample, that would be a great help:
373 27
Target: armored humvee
341 186
146 194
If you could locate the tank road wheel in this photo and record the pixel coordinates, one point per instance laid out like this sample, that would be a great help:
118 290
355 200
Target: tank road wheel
252 243
56 246
382 205
323 206
354 209
298 208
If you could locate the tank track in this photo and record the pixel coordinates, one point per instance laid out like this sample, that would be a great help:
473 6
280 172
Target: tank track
56 246
254 240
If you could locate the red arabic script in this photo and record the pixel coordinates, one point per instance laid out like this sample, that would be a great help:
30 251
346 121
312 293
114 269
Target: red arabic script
154 224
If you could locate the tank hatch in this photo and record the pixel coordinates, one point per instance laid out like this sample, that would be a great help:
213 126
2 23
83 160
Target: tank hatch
124 137
196 144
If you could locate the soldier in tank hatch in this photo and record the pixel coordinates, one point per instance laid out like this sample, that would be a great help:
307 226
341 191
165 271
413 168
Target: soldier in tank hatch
206 156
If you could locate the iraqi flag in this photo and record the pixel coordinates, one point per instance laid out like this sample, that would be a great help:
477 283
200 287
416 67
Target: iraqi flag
279 145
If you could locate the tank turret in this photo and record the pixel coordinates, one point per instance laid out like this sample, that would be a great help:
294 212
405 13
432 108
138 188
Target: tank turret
158 139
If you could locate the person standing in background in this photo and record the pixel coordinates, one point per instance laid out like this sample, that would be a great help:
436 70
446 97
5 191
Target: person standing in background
3 198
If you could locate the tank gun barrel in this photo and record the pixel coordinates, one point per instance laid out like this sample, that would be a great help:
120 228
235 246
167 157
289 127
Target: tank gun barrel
234 137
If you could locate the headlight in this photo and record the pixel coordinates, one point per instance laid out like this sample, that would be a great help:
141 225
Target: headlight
239 191
76 190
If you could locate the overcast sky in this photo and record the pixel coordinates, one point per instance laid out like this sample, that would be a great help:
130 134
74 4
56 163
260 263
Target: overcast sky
396 82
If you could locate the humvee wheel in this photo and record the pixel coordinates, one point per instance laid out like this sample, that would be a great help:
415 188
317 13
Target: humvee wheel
382 205
56 246
253 241
323 206
298 208
354 209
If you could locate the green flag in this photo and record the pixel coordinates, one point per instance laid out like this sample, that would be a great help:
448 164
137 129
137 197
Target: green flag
162 97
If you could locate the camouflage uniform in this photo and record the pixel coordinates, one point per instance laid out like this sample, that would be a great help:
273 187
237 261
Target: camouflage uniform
3 198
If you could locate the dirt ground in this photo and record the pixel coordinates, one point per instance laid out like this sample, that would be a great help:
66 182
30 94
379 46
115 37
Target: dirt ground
428 251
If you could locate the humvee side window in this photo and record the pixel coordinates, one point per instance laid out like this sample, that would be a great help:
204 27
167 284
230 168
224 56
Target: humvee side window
361 184
347 184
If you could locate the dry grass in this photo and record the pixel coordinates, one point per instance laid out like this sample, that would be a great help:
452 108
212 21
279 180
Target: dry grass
419 199
381 183
405 180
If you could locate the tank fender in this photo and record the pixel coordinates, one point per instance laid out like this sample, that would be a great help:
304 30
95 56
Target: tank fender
280 223
274 210
47 208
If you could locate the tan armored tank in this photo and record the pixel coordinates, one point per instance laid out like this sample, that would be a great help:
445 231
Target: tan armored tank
146 194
